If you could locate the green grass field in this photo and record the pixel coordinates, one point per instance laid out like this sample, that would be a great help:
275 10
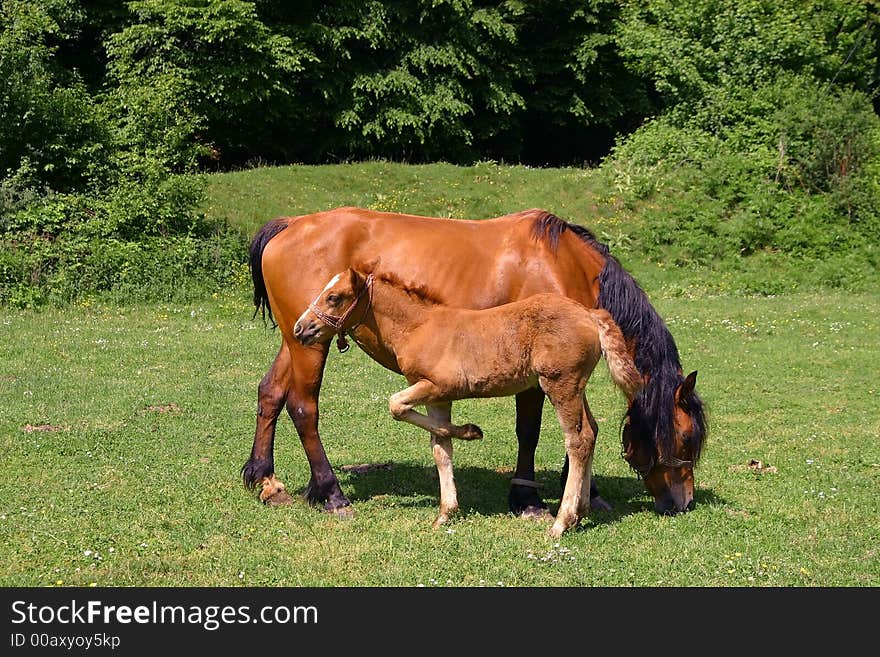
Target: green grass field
123 429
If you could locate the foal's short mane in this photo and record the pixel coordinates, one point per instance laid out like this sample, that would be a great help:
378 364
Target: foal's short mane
656 353
420 292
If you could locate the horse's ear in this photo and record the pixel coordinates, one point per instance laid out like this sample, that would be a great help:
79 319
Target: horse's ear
686 388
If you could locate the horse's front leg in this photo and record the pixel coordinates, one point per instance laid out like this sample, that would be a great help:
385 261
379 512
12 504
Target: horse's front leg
307 370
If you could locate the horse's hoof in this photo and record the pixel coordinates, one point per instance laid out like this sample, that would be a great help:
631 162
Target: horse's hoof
279 498
343 512
536 513
524 501
472 432
598 504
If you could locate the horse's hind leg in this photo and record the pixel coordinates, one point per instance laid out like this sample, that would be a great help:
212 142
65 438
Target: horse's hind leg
523 499
259 470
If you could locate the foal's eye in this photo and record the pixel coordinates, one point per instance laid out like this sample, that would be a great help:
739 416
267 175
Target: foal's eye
332 298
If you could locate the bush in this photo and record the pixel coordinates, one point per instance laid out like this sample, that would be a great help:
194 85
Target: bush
785 169
136 242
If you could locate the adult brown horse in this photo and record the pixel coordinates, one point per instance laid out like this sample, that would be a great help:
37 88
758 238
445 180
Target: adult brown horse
469 264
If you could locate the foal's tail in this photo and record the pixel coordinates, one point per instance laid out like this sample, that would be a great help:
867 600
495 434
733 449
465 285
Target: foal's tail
258 244
620 364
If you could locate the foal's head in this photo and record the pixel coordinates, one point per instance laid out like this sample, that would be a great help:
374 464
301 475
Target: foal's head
663 434
338 309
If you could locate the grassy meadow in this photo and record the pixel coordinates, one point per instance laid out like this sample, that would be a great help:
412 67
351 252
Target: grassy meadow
123 429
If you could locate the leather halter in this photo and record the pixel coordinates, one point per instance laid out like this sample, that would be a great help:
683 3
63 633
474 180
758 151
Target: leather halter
668 461
337 322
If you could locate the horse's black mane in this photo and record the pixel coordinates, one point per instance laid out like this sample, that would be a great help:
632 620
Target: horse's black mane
656 353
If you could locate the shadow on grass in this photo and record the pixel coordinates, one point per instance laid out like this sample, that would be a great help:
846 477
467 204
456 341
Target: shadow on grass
484 491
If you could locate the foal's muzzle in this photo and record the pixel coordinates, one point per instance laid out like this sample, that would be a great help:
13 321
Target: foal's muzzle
306 332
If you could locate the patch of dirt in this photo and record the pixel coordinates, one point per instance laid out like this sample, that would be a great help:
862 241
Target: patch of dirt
31 428
757 466
164 408
754 465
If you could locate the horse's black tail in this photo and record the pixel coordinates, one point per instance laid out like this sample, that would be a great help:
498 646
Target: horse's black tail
258 244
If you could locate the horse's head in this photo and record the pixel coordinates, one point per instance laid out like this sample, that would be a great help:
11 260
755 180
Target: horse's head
333 310
662 444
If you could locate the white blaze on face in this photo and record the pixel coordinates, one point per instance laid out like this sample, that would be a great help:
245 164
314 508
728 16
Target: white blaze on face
333 281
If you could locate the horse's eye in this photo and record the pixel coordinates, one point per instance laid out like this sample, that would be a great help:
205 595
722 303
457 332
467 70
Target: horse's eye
332 298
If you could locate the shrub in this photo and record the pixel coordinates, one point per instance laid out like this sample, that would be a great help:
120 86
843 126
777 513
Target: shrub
787 169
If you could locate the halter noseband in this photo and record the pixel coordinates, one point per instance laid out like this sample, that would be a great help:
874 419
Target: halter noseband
668 461
337 322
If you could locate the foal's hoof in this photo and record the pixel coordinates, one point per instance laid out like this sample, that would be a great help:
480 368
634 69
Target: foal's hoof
598 504
471 432
279 498
556 530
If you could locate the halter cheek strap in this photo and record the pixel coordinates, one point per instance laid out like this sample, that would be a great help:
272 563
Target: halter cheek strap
338 322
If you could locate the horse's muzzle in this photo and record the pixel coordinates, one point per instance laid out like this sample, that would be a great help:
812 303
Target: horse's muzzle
667 506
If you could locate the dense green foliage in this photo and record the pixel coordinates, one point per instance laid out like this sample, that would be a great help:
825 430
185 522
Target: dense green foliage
768 148
731 130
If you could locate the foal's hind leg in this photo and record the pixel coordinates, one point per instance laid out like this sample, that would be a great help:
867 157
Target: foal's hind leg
580 440
597 502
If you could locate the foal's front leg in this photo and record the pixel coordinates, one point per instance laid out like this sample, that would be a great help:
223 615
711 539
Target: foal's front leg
424 392
442 431
441 448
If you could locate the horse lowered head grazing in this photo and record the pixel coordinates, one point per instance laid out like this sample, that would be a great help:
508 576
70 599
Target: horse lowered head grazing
447 354
495 261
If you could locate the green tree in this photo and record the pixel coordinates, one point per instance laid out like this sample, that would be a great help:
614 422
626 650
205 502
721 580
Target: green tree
412 79
193 79
687 49
52 132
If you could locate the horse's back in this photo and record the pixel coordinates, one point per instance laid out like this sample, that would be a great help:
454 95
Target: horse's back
468 263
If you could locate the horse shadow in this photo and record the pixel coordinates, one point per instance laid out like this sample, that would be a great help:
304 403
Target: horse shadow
483 491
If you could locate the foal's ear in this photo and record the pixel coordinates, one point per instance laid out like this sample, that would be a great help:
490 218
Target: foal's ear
687 387
356 279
